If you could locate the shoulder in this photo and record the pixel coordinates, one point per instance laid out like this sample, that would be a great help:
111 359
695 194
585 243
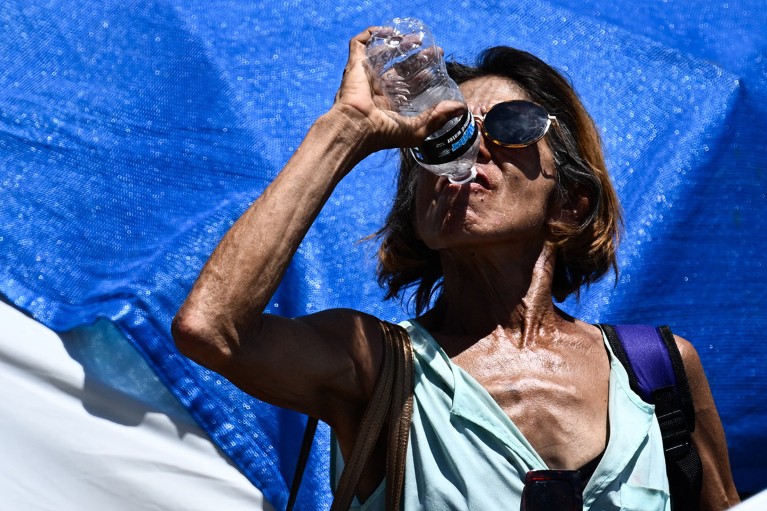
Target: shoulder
358 329
692 366
696 375
323 364
686 350
344 322
356 333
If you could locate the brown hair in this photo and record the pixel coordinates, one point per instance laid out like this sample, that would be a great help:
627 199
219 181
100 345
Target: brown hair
585 251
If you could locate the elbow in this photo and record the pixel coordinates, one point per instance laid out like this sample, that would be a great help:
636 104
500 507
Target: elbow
198 338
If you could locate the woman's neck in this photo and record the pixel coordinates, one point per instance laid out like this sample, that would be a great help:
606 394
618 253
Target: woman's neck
496 290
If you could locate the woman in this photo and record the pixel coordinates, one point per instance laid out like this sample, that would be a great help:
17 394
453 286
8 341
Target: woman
505 381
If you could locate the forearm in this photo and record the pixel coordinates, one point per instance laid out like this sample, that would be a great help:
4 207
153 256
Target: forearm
245 269
229 297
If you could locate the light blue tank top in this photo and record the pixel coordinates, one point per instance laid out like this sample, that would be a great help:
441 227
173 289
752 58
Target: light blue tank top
466 454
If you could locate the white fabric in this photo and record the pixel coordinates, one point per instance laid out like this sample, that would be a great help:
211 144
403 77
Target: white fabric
756 503
86 425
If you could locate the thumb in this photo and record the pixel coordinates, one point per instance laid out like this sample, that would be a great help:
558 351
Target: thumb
434 118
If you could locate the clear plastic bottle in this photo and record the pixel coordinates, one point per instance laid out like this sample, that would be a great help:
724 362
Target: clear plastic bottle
412 73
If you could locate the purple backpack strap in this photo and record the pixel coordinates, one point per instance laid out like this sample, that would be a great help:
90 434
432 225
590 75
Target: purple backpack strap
656 373
648 357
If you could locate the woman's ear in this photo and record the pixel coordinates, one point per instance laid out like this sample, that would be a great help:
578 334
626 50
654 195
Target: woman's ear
579 207
574 208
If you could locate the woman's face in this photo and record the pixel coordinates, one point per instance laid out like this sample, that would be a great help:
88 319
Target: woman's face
509 201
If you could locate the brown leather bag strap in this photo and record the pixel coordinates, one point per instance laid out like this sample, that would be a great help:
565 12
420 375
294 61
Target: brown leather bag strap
303 458
401 412
391 399
370 430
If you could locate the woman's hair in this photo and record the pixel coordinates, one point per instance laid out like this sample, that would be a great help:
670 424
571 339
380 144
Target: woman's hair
585 251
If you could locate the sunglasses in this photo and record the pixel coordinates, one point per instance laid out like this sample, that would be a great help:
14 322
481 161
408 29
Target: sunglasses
514 124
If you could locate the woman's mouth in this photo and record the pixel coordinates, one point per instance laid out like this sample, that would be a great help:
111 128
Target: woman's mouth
480 182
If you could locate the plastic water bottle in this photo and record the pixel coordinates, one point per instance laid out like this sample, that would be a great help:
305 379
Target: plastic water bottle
412 73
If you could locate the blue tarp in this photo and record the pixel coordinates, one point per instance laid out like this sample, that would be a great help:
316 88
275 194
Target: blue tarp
133 133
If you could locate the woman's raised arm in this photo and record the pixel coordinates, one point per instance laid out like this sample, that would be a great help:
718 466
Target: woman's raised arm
319 363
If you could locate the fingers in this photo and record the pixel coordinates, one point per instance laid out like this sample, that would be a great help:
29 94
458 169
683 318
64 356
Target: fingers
356 59
362 92
357 46
358 42
357 49
364 36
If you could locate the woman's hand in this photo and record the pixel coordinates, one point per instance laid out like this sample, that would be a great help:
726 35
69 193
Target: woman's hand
368 109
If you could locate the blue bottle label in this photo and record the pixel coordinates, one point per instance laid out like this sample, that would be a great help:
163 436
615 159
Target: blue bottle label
450 145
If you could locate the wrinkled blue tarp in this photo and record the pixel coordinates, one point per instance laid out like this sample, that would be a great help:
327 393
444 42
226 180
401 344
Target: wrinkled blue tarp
133 133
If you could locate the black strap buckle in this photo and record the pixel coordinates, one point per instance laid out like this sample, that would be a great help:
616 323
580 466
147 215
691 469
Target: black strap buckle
676 436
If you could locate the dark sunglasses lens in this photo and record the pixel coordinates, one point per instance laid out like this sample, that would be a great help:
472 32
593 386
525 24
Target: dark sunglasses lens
516 123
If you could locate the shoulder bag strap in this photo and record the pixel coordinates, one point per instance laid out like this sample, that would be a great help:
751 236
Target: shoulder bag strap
303 458
392 399
400 415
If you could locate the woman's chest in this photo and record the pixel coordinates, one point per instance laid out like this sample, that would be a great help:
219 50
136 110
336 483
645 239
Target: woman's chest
557 399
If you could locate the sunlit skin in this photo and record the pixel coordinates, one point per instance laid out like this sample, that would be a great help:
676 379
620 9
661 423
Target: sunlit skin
548 371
